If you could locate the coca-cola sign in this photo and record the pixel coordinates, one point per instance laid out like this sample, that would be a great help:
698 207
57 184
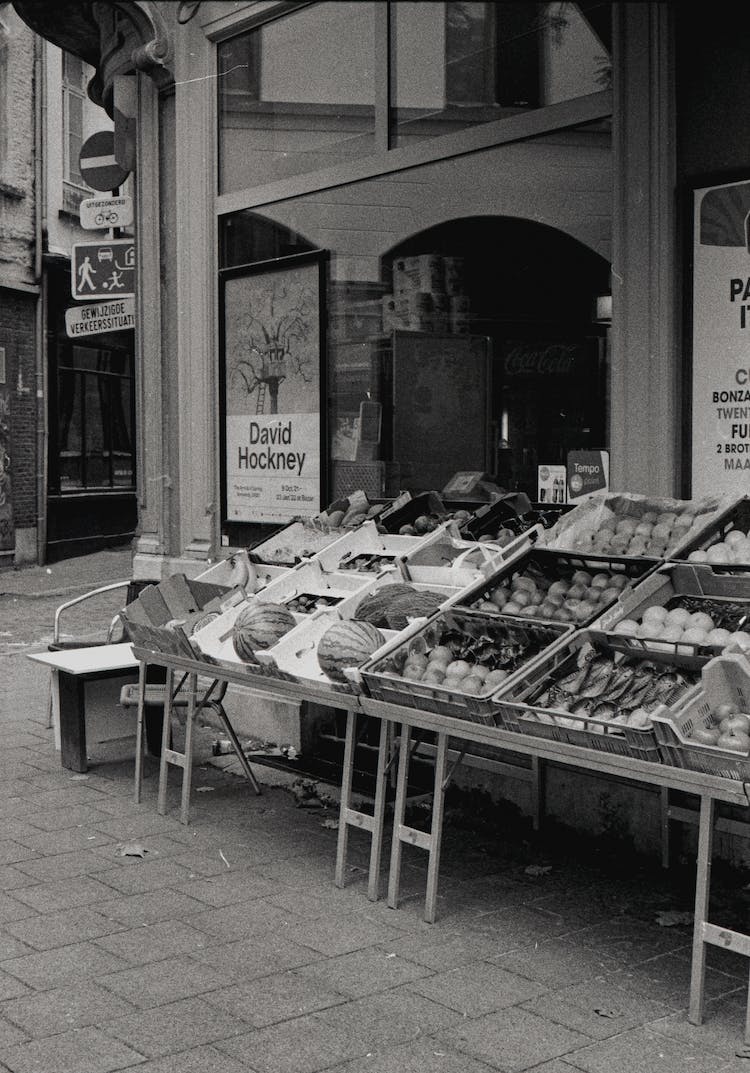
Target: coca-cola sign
535 359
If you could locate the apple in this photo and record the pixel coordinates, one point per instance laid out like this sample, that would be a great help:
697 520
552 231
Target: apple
718 637
442 654
494 678
736 740
628 627
576 592
499 596
581 577
601 581
655 612
702 621
721 711
739 723
458 668
558 588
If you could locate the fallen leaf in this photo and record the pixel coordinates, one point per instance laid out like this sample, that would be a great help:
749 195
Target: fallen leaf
538 869
332 825
78 778
671 918
601 1012
203 789
131 849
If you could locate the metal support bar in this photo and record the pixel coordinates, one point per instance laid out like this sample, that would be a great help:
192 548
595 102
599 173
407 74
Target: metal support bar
702 890
350 817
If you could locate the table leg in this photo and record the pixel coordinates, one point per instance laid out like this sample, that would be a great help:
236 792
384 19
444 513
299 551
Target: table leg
537 792
378 816
238 750
666 851
72 694
399 811
702 895
187 771
436 828
140 732
161 800
346 798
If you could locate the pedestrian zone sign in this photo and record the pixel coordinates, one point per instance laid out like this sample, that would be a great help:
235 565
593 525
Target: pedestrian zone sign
103 269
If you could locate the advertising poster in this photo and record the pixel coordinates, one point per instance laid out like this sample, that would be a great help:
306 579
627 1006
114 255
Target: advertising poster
587 472
272 392
721 340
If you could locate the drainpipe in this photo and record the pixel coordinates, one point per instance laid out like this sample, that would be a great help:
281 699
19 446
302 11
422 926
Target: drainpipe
40 223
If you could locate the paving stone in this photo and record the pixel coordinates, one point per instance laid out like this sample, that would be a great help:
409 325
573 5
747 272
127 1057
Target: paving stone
61 929
419 1056
72 838
79 862
304 1045
154 942
147 876
340 934
75 1005
646 1051
477 989
390 1017
274 998
72 816
514 1039
13 906
227 888
438 947
11 987
10 947
597 1008
53 968
148 908
10 1036
667 978
257 956
11 852
175 1027
65 894
630 940
163 981
243 920
556 962
83 1051
199 1060
363 972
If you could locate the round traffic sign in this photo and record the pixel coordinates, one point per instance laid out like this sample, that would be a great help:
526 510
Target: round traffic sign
97 163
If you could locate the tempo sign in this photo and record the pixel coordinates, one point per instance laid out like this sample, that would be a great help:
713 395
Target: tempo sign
100 317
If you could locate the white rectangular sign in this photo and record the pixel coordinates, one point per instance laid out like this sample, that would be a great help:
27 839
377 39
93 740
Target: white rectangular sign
99 317
721 340
99 212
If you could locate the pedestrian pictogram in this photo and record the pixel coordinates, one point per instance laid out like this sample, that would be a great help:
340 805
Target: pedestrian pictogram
97 163
103 269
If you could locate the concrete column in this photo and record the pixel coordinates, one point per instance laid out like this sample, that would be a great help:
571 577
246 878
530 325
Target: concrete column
645 418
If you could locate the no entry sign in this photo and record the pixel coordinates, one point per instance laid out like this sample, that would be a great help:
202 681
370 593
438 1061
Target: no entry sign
97 163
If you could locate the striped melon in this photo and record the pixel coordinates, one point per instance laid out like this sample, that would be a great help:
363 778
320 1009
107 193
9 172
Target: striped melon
347 644
260 626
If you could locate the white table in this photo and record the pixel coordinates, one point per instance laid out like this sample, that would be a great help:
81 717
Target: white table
84 678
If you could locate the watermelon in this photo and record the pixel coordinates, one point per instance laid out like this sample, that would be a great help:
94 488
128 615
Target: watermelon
347 644
260 625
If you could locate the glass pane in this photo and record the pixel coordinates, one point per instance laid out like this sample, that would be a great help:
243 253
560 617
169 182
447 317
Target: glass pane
457 64
69 430
97 446
297 94
120 421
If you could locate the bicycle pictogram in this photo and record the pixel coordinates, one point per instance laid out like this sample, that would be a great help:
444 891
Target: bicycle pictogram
110 217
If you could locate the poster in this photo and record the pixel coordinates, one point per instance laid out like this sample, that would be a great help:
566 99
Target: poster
721 340
587 472
271 379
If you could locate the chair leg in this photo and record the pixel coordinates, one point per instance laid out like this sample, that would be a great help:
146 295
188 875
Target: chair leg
219 709
161 800
187 772
139 733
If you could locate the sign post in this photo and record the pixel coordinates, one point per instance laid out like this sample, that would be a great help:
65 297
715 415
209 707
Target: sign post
103 269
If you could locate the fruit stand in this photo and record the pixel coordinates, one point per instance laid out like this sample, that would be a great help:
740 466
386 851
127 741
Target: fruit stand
519 648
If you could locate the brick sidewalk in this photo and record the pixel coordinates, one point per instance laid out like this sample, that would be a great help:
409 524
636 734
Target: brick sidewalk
227 948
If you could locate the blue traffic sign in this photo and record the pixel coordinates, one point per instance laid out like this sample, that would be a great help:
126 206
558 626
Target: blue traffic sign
103 269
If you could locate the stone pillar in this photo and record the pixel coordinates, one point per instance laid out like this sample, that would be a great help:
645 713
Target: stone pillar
645 415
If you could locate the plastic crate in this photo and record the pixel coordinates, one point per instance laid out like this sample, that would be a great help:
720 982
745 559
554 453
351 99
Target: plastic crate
725 680
429 504
579 529
309 579
560 566
669 586
530 639
521 709
515 512
447 560
366 550
734 517
292 543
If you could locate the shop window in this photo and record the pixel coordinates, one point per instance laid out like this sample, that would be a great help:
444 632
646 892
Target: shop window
94 420
456 64
297 94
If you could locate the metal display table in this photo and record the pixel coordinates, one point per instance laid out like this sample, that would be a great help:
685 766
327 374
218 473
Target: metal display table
710 789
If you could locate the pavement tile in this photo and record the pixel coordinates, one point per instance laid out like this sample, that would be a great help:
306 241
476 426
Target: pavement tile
721 1032
13 906
61 799
133 909
646 1051
556 962
340 934
10 987
10 1036
270 999
631 940
477 989
12 852
64 894
304 1045
71 838
438 947
363 972
77 1004
79 862
668 978
163 981
73 816
149 875
390 1017
153 942
241 920
53 968
10 947
81 1051
597 1008
156 846
419 1056
175 1027
260 955
515 1039
227 888
200 1060
60 929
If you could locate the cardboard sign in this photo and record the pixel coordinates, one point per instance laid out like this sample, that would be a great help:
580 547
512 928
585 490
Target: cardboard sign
587 472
